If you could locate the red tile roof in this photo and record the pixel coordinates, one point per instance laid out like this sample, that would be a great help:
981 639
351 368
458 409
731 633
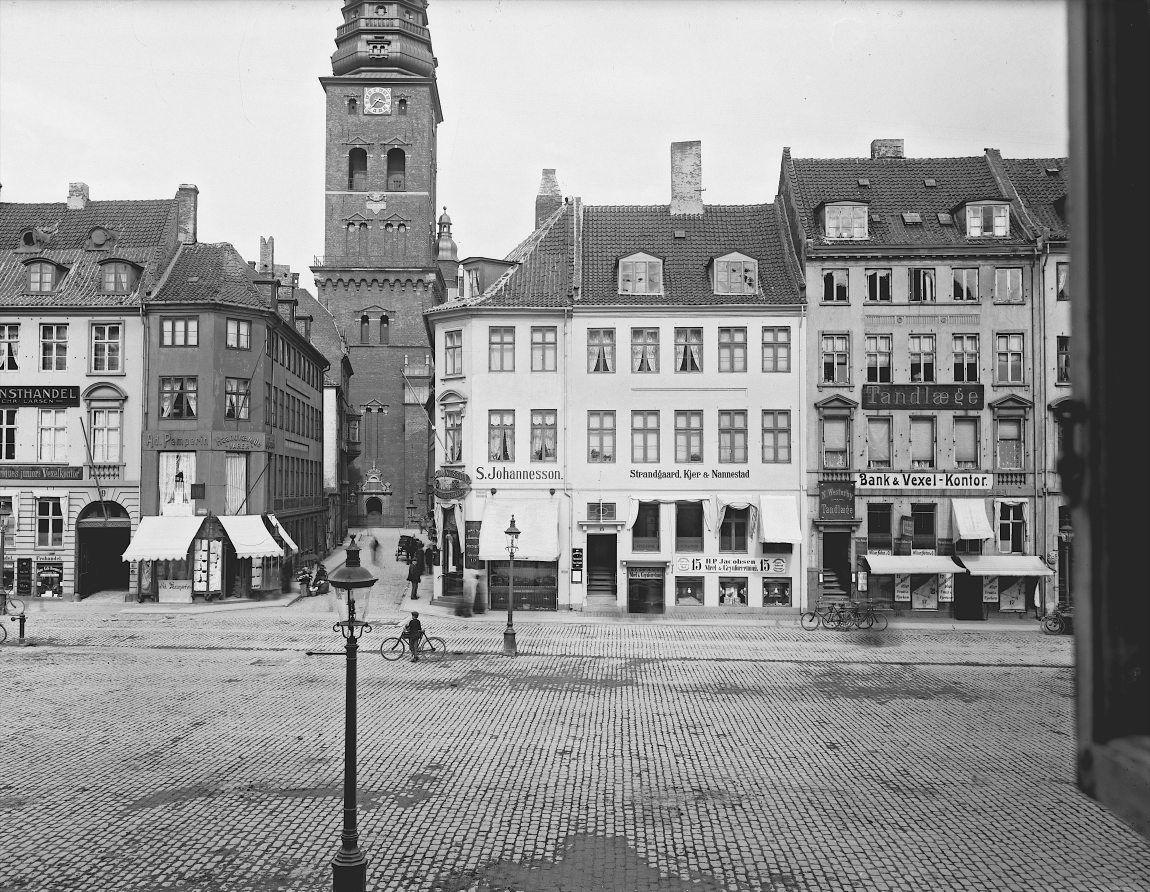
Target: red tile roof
1044 194
211 273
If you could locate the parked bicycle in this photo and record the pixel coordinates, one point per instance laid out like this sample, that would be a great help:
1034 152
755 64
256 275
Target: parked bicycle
840 615
1059 620
397 648
8 604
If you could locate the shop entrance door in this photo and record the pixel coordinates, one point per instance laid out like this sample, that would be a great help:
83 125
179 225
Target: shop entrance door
836 564
602 565
645 590
100 543
968 597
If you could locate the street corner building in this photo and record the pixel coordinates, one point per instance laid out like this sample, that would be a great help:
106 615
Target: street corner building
72 355
232 481
938 343
626 384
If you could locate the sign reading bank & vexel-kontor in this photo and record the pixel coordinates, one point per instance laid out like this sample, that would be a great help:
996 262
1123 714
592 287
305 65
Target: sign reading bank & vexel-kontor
923 480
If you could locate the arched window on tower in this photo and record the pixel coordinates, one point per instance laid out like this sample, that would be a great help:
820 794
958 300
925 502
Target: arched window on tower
384 330
357 170
396 171
362 238
401 238
347 239
364 329
403 106
352 106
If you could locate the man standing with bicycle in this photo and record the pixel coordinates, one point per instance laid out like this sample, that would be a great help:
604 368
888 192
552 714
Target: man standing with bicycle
413 632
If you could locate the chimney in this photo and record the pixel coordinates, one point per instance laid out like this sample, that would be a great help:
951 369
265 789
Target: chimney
77 196
886 148
187 198
687 177
550 197
267 254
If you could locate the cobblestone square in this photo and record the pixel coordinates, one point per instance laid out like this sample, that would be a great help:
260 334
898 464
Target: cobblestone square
204 752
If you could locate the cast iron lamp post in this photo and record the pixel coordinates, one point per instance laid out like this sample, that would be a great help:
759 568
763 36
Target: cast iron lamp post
509 649
349 867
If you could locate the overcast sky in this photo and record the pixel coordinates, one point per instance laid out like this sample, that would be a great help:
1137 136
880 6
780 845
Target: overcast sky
135 97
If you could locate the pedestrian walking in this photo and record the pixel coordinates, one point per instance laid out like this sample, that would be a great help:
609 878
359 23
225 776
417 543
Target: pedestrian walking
428 558
414 572
413 632
374 550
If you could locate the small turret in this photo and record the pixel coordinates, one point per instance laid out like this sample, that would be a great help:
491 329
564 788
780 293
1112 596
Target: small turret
448 255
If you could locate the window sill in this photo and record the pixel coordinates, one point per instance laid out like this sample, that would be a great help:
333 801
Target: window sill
1001 384
458 377
846 384
1062 384
92 374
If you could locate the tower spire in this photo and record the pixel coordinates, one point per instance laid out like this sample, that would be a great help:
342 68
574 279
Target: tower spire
380 36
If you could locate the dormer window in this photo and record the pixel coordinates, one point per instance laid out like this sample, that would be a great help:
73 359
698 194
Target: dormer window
736 274
43 276
987 220
641 274
98 238
28 239
845 221
119 277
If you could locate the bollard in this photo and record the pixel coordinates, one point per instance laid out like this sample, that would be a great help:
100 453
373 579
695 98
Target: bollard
21 619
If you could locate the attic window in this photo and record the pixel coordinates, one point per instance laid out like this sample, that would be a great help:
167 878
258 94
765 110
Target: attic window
910 217
680 233
845 221
1053 171
930 182
875 218
28 239
43 276
119 277
98 237
987 220
945 219
736 274
641 274
864 183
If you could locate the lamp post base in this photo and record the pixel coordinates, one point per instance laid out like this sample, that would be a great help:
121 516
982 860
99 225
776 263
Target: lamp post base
349 871
509 648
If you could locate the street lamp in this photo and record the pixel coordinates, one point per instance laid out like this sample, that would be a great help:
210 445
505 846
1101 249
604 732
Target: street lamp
509 649
349 867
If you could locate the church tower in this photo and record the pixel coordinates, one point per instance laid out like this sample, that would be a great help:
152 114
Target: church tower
379 270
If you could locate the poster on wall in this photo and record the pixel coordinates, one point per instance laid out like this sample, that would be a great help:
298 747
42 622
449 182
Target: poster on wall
471 544
924 593
902 587
1012 596
946 587
50 579
989 589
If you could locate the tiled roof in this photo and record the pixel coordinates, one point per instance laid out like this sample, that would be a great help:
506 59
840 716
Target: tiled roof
325 334
896 186
1041 191
211 273
142 232
612 232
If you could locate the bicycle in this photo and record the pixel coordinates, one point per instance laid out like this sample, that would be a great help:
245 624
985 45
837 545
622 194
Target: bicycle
396 648
8 604
827 614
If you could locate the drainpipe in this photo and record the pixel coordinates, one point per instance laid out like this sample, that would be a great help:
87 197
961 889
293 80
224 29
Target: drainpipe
1041 251
567 314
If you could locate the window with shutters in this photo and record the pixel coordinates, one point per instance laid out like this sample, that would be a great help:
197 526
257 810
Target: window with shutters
966 451
878 442
922 443
835 437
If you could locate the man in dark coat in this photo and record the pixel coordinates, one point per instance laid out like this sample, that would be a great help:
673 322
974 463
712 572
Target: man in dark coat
413 632
414 572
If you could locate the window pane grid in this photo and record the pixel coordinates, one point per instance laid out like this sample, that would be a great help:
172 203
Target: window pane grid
836 359
688 436
776 435
878 358
644 349
501 349
732 349
777 349
733 437
601 436
501 434
644 436
921 359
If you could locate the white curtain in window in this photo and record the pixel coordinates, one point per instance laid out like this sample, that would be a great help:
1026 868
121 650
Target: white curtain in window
998 503
176 475
921 439
878 439
740 502
236 472
632 512
965 448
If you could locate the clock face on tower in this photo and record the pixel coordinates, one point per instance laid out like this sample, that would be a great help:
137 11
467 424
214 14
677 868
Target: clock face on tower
377 100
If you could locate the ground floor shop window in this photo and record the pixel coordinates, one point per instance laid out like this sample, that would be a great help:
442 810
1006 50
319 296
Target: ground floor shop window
880 588
688 526
776 592
173 580
645 533
50 579
924 591
1012 593
536 585
733 590
688 591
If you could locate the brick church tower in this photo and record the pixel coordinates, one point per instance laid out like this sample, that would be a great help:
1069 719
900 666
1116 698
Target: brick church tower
379 272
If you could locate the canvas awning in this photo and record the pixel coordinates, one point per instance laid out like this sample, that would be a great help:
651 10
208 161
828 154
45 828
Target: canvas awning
288 540
885 564
164 538
538 521
1005 565
970 519
779 519
249 537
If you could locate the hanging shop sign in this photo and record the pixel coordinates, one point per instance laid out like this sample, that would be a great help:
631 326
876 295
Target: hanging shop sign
59 397
836 500
922 396
450 483
920 480
41 472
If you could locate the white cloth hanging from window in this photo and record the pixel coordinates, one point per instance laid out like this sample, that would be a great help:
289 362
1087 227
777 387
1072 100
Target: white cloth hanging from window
177 473
998 503
236 474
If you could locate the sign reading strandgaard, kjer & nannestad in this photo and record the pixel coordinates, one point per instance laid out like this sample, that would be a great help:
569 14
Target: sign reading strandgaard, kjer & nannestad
923 480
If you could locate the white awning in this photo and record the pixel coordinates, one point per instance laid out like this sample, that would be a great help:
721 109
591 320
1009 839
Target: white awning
970 519
779 519
1005 565
288 540
886 564
165 538
537 520
249 537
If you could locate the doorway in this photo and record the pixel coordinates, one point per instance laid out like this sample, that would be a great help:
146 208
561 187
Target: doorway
100 543
836 563
968 597
602 565
373 509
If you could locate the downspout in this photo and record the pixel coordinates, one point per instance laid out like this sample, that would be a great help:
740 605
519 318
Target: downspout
568 324
1041 502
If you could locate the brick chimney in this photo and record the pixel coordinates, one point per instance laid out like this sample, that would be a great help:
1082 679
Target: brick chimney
687 177
268 255
550 197
187 199
77 196
886 148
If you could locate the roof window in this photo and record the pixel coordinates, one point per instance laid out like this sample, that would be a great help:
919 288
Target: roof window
911 217
930 182
641 274
984 220
945 219
736 274
845 221
98 237
1053 171
864 183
